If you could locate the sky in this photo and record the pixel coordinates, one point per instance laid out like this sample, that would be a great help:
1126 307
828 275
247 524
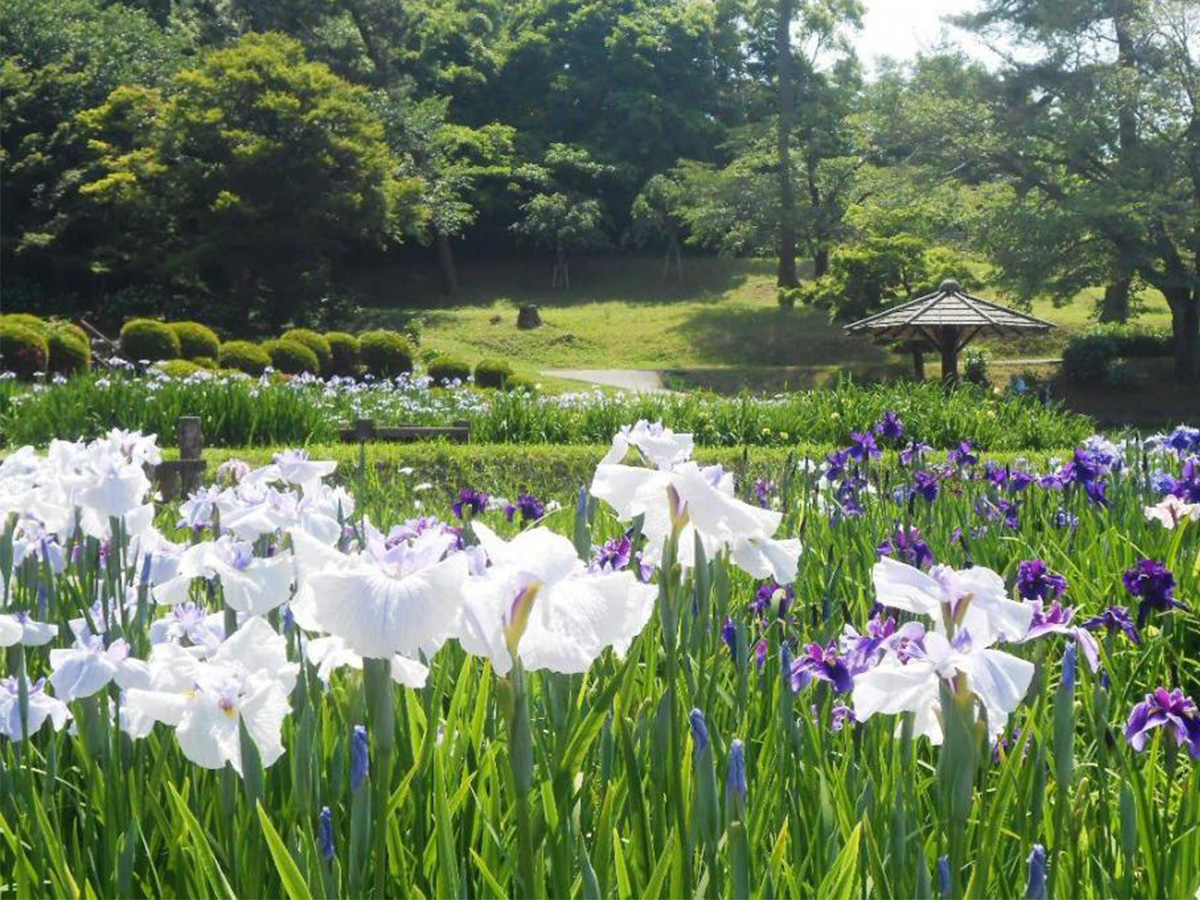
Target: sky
901 28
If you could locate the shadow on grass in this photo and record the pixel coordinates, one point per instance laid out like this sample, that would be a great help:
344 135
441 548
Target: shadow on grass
405 288
777 337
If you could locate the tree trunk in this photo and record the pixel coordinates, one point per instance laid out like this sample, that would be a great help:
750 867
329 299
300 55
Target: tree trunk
1185 328
821 261
787 191
446 261
1115 306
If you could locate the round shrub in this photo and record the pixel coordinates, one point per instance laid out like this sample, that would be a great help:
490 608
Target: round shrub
1087 358
493 373
292 357
522 385
27 320
22 350
446 369
70 328
244 356
344 351
205 362
386 354
196 340
317 344
68 355
178 368
149 339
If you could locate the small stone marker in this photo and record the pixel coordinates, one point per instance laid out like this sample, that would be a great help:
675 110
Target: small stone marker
177 478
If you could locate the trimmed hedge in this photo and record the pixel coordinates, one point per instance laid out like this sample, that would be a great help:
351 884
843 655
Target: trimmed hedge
149 339
344 352
68 355
447 369
178 368
1093 356
244 356
292 357
22 350
26 320
521 384
196 340
493 373
386 354
314 342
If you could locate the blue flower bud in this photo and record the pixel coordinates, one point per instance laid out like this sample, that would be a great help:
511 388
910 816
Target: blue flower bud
735 782
699 731
785 667
1069 664
1037 874
360 760
943 871
325 834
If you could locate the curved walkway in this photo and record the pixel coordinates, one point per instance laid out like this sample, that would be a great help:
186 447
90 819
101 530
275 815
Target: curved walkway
644 380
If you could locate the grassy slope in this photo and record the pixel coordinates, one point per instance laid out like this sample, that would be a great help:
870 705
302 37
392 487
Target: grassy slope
620 314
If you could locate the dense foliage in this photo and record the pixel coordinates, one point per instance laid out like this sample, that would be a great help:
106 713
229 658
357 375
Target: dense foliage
239 412
971 678
247 159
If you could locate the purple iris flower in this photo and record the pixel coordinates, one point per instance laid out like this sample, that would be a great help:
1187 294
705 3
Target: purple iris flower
1035 888
1165 709
1154 583
862 651
761 649
824 664
1114 619
730 636
1035 581
1097 492
773 599
762 491
890 427
863 446
529 506
735 779
1064 519
613 556
1055 618
836 464
1184 440
847 498
475 501
1187 487
842 716
1018 480
963 455
1083 468
1004 747
926 484
913 452
1162 483
907 546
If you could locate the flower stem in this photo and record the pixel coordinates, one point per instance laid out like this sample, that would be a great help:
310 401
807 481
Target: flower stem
378 685
520 760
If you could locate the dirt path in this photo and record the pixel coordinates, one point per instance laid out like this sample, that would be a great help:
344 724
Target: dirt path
643 380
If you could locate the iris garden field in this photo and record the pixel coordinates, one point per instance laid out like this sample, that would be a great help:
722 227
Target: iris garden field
890 671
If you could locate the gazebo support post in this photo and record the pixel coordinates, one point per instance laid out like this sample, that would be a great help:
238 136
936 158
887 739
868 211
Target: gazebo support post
949 348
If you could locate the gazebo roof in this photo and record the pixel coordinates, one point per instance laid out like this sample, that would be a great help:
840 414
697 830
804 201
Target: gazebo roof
923 318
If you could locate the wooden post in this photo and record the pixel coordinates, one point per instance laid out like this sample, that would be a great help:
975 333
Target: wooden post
180 477
949 350
364 430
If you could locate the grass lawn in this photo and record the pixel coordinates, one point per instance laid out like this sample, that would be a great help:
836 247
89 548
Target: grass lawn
620 313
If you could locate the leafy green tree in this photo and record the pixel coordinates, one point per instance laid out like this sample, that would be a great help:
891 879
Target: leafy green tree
61 57
1100 128
260 168
562 212
658 217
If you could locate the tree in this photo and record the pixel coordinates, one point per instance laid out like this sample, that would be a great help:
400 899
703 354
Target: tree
1103 128
260 168
60 58
658 217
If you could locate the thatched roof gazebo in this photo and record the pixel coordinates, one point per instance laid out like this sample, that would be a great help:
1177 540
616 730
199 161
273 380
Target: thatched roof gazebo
946 321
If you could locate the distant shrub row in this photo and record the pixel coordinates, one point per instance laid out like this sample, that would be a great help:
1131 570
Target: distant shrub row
30 345
1098 356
